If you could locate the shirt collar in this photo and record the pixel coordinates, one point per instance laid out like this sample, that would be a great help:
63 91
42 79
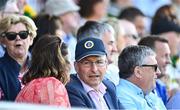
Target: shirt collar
102 88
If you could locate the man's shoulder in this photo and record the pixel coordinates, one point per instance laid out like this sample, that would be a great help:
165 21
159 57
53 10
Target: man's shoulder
74 82
108 84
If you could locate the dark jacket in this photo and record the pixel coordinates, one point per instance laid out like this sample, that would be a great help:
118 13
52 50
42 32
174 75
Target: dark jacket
79 98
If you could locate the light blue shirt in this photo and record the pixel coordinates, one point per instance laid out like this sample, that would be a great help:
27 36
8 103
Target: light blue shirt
132 97
112 73
1 51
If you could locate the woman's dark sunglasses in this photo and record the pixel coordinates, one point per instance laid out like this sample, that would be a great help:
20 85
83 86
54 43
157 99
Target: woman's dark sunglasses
12 35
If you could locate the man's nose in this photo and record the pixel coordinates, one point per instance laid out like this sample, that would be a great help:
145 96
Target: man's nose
94 66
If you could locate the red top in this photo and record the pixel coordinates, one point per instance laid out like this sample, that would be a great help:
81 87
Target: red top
49 91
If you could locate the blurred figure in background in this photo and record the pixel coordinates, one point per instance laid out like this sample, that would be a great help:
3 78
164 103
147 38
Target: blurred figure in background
92 10
17 34
149 7
119 33
176 6
66 11
165 23
135 16
47 75
116 6
47 24
131 36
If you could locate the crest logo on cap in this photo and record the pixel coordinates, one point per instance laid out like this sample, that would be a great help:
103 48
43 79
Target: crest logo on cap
88 44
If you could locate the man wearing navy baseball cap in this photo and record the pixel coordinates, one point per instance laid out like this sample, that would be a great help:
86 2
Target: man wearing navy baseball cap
88 88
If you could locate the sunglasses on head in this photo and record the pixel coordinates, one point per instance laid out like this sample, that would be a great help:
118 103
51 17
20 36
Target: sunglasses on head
12 35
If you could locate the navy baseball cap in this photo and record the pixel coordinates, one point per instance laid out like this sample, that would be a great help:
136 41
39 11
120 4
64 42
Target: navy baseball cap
89 47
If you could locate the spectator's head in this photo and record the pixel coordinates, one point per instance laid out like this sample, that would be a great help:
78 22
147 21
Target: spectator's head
91 61
17 34
102 31
135 16
138 65
59 7
66 10
166 11
161 47
95 9
122 3
119 33
47 60
165 24
2 5
48 25
131 36
164 20
9 7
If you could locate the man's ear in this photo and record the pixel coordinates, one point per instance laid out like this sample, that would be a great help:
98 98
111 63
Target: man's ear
137 72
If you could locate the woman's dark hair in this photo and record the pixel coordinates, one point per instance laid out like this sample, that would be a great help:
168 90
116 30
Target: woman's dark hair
167 12
47 60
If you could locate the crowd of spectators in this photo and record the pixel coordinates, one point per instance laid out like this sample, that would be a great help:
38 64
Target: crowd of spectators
99 54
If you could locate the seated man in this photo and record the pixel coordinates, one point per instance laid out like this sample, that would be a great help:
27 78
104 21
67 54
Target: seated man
138 73
161 48
87 88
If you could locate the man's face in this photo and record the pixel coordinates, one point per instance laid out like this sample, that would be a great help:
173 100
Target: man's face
109 43
69 21
149 74
91 70
163 55
139 22
100 9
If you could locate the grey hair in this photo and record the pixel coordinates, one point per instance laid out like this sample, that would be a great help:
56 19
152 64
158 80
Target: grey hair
131 57
94 29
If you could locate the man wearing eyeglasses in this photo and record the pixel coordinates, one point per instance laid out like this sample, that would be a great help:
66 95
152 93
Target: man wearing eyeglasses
87 88
138 73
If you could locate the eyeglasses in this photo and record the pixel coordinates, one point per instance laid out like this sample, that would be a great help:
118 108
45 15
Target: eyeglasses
154 66
99 63
133 36
12 35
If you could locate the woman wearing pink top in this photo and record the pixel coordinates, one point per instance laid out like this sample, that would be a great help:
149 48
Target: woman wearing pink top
47 75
